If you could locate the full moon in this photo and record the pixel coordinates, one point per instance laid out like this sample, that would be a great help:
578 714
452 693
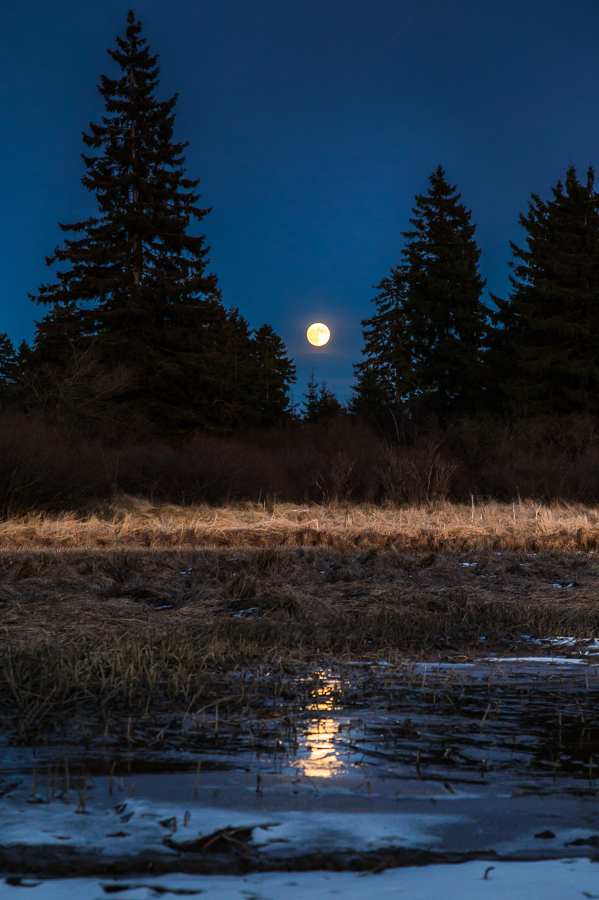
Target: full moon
318 334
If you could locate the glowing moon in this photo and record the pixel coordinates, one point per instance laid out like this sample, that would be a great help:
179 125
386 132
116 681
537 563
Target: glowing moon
318 334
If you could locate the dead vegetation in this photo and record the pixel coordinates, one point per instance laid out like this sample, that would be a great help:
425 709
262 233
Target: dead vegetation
47 466
141 607
120 632
130 522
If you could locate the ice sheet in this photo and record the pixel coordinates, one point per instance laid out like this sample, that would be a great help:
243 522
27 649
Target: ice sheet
106 832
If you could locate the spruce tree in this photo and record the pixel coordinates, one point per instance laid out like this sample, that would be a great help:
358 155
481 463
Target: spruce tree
385 379
321 404
545 347
424 345
311 400
274 375
9 368
135 282
447 320
328 405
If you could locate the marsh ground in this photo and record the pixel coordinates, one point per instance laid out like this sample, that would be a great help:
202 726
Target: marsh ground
353 658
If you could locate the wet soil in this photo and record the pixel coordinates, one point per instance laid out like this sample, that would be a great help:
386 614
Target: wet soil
370 767
115 583
247 605
381 708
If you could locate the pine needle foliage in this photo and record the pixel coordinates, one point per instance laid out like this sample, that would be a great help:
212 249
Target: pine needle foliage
447 318
274 375
320 402
424 346
9 367
385 379
135 281
546 344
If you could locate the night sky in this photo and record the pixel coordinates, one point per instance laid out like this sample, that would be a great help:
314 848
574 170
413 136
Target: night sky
311 124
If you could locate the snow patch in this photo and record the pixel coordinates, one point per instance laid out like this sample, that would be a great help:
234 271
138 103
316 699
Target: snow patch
479 880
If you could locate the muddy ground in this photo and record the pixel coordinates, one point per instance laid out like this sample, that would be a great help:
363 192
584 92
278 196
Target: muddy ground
374 768
70 594
119 633
59 592
290 681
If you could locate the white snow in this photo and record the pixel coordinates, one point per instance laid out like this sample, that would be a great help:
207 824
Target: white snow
330 831
106 832
548 880
540 660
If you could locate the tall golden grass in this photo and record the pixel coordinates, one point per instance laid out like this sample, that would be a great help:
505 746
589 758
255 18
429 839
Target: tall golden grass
136 522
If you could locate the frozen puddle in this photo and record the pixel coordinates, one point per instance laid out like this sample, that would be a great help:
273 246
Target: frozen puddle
549 880
492 761
291 818
140 824
522 665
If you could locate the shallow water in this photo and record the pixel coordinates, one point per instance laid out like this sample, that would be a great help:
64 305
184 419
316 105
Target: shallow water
491 759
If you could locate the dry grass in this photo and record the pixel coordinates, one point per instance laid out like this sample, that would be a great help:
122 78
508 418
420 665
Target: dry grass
130 522
121 631
146 607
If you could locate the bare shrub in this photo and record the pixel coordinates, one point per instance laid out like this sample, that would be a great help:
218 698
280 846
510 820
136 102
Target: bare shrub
203 470
43 469
431 470
393 470
332 462
81 397
415 475
46 464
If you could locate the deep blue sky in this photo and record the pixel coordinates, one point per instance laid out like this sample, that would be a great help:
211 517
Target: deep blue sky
312 124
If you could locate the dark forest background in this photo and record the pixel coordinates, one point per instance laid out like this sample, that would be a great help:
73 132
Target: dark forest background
141 380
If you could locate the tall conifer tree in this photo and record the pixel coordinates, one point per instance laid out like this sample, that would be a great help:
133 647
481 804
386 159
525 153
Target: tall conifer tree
425 344
274 375
545 348
9 368
385 379
447 318
135 282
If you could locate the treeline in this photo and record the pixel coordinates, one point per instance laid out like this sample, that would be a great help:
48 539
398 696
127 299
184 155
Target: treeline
165 358
433 350
141 380
136 340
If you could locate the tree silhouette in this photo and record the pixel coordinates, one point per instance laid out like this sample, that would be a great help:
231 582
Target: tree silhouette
545 347
135 282
424 344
